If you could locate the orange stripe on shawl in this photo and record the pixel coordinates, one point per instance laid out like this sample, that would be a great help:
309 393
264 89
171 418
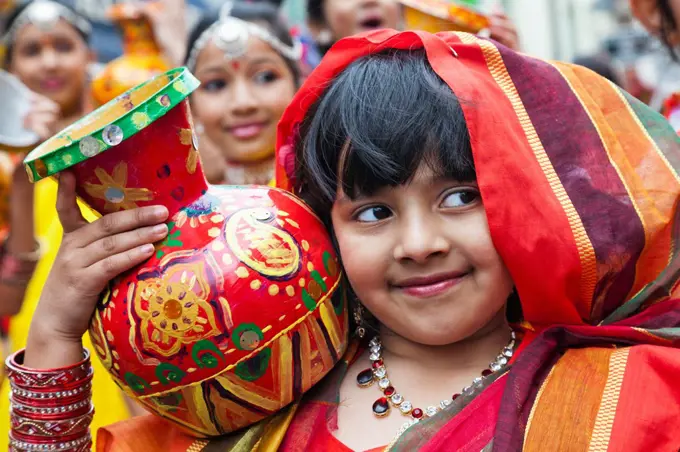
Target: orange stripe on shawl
564 413
649 190
145 433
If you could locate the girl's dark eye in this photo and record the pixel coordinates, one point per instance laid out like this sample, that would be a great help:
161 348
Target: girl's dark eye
214 85
31 50
373 214
460 198
264 77
63 46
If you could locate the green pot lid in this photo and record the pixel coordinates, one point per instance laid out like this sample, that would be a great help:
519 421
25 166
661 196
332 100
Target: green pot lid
110 124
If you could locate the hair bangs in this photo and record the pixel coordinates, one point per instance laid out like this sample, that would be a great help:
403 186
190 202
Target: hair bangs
378 122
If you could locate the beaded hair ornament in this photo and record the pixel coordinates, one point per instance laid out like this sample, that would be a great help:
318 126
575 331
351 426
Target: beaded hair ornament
231 35
45 14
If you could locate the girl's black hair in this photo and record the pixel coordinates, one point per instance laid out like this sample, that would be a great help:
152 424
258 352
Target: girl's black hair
264 12
15 14
315 11
382 116
668 26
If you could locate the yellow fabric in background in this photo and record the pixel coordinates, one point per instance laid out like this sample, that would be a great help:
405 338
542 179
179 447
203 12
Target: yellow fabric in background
108 399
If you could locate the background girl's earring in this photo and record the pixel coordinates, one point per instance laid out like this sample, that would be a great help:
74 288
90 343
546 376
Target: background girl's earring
360 332
325 37
199 128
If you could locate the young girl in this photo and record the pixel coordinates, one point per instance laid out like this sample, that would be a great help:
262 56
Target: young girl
508 227
242 95
47 49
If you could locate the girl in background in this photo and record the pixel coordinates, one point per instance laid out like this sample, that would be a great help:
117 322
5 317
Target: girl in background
242 95
332 20
47 49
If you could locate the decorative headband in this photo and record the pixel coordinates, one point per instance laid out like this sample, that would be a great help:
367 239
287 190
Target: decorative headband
231 34
45 14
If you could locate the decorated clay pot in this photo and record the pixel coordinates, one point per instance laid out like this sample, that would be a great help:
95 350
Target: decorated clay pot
436 16
240 310
141 59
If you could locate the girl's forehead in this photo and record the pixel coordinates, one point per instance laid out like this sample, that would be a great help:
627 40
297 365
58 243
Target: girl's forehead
61 29
258 52
423 180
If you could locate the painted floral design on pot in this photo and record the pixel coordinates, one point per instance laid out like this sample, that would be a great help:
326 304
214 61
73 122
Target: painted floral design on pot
240 310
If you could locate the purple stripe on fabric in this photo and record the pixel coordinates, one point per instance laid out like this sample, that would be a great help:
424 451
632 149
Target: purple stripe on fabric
592 183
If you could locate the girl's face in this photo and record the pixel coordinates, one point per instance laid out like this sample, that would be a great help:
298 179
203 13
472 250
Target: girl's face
650 13
52 63
240 101
350 17
420 258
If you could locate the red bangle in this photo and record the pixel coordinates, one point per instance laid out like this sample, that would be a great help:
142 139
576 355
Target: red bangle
51 428
17 269
51 409
83 444
64 379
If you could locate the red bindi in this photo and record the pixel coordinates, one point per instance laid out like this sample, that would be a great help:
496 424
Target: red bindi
235 65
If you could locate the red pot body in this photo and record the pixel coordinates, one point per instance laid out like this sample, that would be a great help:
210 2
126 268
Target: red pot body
239 312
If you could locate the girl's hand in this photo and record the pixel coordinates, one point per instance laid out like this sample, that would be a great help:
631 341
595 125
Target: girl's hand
91 254
43 117
503 30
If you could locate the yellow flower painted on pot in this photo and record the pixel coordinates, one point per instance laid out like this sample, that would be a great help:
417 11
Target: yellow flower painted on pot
187 138
141 119
174 310
180 87
113 189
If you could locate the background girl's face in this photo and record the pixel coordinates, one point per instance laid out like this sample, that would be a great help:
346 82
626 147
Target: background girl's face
349 17
653 14
52 63
420 258
240 101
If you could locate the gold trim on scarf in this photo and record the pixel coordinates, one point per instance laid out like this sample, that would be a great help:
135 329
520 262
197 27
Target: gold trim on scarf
604 422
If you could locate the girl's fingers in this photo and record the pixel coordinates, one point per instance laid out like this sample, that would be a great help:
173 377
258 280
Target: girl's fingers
67 207
118 222
119 243
42 123
113 266
45 106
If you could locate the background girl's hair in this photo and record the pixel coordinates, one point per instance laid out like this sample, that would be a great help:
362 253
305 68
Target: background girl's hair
263 13
15 14
315 11
668 26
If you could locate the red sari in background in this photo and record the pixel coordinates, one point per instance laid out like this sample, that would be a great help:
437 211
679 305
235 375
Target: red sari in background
580 184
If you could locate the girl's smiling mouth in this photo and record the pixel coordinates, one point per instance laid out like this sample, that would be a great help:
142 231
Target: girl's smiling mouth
430 285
